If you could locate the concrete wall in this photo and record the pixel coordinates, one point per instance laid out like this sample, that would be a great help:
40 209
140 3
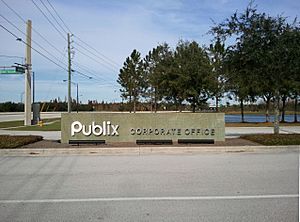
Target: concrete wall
129 127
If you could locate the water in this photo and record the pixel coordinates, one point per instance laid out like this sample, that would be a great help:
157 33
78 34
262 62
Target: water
256 118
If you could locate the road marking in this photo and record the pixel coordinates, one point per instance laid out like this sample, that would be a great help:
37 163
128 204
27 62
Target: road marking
121 199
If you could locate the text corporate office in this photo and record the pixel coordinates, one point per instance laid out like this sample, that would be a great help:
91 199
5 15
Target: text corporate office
130 127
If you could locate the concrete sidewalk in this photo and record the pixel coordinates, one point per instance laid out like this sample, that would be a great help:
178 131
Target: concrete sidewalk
230 132
234 132
187 150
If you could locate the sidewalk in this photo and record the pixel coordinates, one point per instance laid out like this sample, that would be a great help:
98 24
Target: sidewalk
187 150
234 132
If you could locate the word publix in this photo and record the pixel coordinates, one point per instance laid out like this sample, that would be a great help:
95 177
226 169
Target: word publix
106 129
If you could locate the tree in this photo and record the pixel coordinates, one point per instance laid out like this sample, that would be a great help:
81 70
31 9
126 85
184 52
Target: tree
238 80
194 73
217 54
156 66
131 79
290 58
262 52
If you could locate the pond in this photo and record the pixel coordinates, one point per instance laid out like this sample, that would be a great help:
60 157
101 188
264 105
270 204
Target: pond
234 118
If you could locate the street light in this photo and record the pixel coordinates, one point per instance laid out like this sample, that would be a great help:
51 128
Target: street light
77 100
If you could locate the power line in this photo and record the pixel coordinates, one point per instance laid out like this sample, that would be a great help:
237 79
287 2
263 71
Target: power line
108 62
76 71
9 56
106 66
90 72
82 74
106 59
59 16
46 57
53 16
22 19
92 48
31 39
96 78
49 20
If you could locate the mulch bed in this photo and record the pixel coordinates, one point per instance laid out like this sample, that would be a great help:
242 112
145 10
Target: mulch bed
57 144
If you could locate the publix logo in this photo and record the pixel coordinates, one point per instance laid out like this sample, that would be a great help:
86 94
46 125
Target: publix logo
105 129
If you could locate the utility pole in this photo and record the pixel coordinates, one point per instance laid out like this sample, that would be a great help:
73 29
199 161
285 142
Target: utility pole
27 104
77 97
69 74
33 88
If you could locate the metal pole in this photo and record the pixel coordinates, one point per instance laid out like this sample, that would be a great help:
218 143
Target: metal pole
69 75
27 104
77 97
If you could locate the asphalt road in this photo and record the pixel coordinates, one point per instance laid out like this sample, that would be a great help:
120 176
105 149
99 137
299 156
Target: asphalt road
208 187
12 116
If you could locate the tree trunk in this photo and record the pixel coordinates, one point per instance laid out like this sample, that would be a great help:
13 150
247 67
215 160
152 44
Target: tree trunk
242 110
155 99
268 109
194 104
179 106
134 104
130 108
283 109
295 109
217 104
276 116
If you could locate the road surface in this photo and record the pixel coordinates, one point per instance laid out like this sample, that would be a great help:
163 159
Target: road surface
13 116
209 187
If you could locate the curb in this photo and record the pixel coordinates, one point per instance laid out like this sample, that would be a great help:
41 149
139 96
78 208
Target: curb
145 150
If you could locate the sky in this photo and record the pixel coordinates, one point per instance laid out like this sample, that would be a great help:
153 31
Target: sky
104 34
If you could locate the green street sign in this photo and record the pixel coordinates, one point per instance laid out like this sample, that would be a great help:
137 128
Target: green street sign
14 70
20 69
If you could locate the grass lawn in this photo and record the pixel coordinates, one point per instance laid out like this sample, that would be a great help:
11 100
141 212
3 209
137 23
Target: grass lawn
48 125
11 124
20 125
7 141
274 140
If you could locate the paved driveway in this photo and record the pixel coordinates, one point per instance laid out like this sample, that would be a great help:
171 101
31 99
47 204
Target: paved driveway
208 187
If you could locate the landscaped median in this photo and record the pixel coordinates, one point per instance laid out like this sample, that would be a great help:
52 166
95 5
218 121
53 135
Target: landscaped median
258 140
274 139
10 142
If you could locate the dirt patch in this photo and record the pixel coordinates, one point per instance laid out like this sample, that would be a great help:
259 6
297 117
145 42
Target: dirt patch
57 144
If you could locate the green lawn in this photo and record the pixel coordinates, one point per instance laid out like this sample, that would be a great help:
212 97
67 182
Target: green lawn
274 140
48 125
11 124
